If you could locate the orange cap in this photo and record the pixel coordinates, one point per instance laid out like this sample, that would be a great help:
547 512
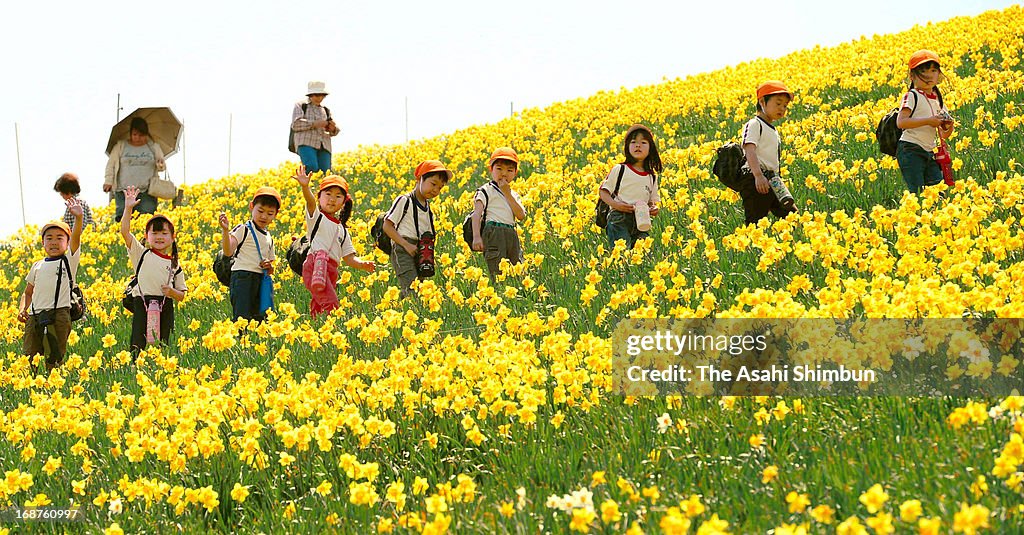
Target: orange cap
268 191
432 166
56 224
922 56
330 181
772 87
504 153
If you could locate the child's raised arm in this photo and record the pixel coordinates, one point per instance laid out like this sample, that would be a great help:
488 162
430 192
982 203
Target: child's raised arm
75 206
302 178
227 241
130 201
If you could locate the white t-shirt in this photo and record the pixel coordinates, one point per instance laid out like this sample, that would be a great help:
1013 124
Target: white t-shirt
405 211
43 278
496 206
331 236
927 106
762 134
155 270
248 258
636 186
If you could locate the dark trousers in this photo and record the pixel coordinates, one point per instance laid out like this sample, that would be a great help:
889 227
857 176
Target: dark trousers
756 205
55 336
138 341
622 226
918 166
500 242
245 295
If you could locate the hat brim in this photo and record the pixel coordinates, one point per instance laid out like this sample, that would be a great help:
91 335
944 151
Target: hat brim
505 158
159 216
50 226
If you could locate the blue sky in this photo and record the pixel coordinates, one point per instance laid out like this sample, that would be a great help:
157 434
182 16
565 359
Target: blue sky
457 62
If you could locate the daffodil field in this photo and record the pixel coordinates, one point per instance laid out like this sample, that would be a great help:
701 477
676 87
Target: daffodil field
479 407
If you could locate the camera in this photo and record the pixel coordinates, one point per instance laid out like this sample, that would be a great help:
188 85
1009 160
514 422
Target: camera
425 256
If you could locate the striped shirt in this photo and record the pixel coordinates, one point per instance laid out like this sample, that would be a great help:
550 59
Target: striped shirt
302 124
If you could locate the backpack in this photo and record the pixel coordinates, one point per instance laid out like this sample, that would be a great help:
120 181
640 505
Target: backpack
299 248
291 131
729 158
222 264
127 299
377 235
601 209
78 307
467 224
888 134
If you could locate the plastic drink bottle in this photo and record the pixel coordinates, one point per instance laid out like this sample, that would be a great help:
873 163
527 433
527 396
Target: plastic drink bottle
643 216
945 162
152 321
318 279
781 191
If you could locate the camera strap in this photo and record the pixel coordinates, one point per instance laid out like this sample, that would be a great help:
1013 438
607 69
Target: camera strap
56 291
416 216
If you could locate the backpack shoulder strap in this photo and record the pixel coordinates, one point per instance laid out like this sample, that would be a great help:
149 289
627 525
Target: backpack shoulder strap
138 267
328 110
406 209
415 215
487 201
60 271
618 181
316 226
67 264
238 247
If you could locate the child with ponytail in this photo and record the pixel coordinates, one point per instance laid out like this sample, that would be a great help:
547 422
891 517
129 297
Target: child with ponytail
158 276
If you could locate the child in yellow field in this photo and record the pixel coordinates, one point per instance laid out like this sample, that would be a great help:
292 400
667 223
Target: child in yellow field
329 240
631 186
252 247
46 305
496 208
925 122
761 187
158 276
412 254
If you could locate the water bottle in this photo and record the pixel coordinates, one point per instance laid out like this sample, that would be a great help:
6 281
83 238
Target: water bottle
642 212
318 278
781 191
152 321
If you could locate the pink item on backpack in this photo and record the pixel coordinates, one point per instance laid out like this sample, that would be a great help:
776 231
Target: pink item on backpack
318 278
153 321
324 299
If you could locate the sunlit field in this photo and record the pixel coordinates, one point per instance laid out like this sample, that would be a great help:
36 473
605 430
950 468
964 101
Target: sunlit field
479 407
